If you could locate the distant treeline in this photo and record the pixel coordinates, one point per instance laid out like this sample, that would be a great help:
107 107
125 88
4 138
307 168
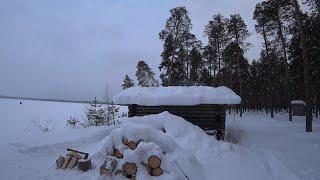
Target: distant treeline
270 81
48 99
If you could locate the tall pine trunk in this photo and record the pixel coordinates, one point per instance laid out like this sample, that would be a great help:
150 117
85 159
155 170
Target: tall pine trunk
305 64
284 62
266 44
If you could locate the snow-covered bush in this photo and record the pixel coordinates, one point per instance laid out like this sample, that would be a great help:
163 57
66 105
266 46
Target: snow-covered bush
124 114
99 114
72 121
111 113
43 125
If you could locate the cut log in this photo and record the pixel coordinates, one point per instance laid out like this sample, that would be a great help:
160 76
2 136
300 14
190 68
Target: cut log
118 154
157 172
119 172
60 161
132 145
105 172
72 163
74 154
108 166
148 168
125 141
154 162
84 164
129 169
67 160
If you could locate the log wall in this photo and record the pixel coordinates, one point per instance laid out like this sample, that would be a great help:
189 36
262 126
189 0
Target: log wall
211 118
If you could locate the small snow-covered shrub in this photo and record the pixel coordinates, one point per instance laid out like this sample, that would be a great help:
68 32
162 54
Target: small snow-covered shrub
112 111
124 114
43 125
99 114
72 121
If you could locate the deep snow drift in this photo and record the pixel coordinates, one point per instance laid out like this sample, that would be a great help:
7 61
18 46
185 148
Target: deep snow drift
177 95
266 149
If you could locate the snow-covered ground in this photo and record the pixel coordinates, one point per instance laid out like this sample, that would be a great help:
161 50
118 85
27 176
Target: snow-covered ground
282 141
261 148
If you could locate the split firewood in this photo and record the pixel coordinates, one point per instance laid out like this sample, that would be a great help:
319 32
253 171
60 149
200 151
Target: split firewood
108 166
125 141
60 161
148 168
73 162
79 152
105 172
132 145
67 160
157 172
129 169
119 172
110 152
74 154
154 161
118 154
84 164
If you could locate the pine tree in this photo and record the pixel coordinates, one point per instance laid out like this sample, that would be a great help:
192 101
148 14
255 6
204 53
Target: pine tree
178 42
111 113
315 5
145 75
216 32
264 27
195 65
127 82
238 33
210 62
95 114
281 12
306 63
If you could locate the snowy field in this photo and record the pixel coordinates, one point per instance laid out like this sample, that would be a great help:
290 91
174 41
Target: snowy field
260 148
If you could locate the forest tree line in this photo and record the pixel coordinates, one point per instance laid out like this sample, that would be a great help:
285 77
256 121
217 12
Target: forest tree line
270 81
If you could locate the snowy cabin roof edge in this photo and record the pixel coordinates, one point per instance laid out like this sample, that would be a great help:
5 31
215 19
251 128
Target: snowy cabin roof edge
177 95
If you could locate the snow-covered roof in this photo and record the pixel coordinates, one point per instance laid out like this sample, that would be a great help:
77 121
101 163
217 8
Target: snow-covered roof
298 102
177 95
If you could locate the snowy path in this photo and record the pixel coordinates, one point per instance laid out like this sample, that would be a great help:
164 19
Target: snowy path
286 141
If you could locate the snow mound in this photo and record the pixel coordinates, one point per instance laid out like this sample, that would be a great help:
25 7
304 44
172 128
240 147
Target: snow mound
176 162
177 95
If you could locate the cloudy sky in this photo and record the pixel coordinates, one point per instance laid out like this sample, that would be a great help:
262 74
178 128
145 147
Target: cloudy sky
76 49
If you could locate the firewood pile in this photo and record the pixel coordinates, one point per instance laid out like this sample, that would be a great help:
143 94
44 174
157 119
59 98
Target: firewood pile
72 159
116 163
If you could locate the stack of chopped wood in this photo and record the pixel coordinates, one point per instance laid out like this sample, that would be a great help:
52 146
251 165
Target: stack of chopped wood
72 159
129 169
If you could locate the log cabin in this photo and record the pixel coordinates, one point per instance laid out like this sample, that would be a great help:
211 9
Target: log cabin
201 105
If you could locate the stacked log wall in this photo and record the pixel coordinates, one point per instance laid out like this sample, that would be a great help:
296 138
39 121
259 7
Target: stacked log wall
207 117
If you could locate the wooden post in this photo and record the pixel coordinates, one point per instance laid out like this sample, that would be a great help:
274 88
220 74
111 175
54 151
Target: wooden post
290 112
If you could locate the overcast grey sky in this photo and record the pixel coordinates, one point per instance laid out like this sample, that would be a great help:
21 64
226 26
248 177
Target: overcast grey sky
75 49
